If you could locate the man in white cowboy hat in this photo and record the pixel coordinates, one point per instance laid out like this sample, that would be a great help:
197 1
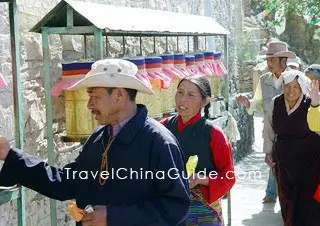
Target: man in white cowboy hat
269 86
129 170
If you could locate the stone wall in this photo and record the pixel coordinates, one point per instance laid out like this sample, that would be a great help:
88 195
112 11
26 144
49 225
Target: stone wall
65 48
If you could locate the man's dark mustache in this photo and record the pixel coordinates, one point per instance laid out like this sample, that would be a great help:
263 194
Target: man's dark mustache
95 112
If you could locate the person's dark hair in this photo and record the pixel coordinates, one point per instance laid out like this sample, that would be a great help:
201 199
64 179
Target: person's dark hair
204 87
131 92
285 62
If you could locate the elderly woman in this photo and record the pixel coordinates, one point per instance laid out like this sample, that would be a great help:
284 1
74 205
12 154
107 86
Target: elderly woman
296 152
197 135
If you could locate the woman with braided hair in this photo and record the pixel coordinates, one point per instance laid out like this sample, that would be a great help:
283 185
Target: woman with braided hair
197 135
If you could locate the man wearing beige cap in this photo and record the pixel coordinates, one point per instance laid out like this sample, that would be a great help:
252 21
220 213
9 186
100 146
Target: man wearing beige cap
130 169
269 86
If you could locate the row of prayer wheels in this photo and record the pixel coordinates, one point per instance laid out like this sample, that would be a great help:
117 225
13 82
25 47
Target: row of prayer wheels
162 72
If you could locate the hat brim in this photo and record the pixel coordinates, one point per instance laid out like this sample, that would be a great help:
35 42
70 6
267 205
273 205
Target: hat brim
293 64
287 54
117 80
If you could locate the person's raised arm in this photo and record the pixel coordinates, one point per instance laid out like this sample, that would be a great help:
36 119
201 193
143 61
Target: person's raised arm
30 171
313 116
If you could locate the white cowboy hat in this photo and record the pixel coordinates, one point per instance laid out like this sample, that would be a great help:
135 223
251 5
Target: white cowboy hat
294 62
113 73
279 49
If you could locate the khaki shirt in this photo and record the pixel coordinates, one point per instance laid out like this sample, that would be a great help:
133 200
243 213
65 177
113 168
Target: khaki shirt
262 97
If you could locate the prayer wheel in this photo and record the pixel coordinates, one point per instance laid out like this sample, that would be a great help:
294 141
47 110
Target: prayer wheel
153 102
79 120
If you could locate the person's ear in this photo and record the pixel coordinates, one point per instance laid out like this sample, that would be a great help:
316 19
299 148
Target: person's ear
283 62
206 101
118 94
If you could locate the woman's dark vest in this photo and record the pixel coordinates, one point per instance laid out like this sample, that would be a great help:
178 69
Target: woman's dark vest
195 140
297 164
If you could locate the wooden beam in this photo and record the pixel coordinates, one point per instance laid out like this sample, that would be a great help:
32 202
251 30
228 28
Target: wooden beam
49 130
71 31
17 99
69 17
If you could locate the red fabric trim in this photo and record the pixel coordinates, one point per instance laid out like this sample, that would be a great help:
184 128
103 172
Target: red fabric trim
190 63
194 119
179 61
167 62
164 121
159 65
222 159
141 66
75 72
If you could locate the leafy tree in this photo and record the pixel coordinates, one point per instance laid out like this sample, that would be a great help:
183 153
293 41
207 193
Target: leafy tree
310 9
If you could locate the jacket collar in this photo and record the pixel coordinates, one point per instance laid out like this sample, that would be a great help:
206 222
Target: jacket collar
193 120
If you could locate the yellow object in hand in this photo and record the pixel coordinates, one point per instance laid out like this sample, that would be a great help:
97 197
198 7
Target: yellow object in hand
191 165
313 119
76 213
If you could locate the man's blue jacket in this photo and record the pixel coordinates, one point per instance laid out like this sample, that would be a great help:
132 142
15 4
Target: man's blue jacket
145 184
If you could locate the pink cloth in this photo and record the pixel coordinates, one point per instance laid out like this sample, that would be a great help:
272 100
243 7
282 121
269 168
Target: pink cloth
165 80
171 73
142 75
218 66
62 85
221 70
3 83
183 70
194 70
203 69
211 66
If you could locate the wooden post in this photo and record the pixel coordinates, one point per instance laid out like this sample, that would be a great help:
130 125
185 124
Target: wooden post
49 130
17 98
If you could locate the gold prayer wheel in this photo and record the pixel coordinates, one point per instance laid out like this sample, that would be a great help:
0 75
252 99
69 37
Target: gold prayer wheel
153 102
174 85
79 120
167 99
216 86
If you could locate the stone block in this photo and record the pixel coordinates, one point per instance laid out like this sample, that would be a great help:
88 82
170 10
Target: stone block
33 49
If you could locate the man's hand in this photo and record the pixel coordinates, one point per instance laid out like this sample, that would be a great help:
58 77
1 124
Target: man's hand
243 100
314 92
269 160
4 148
96 218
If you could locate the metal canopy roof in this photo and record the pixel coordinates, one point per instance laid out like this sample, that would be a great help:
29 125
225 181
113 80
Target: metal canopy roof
118 20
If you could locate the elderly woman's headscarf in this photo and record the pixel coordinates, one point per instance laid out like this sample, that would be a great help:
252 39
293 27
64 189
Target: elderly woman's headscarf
303 80
314 70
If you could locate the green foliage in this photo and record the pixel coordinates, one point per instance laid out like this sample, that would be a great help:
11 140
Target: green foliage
308 8
247 47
